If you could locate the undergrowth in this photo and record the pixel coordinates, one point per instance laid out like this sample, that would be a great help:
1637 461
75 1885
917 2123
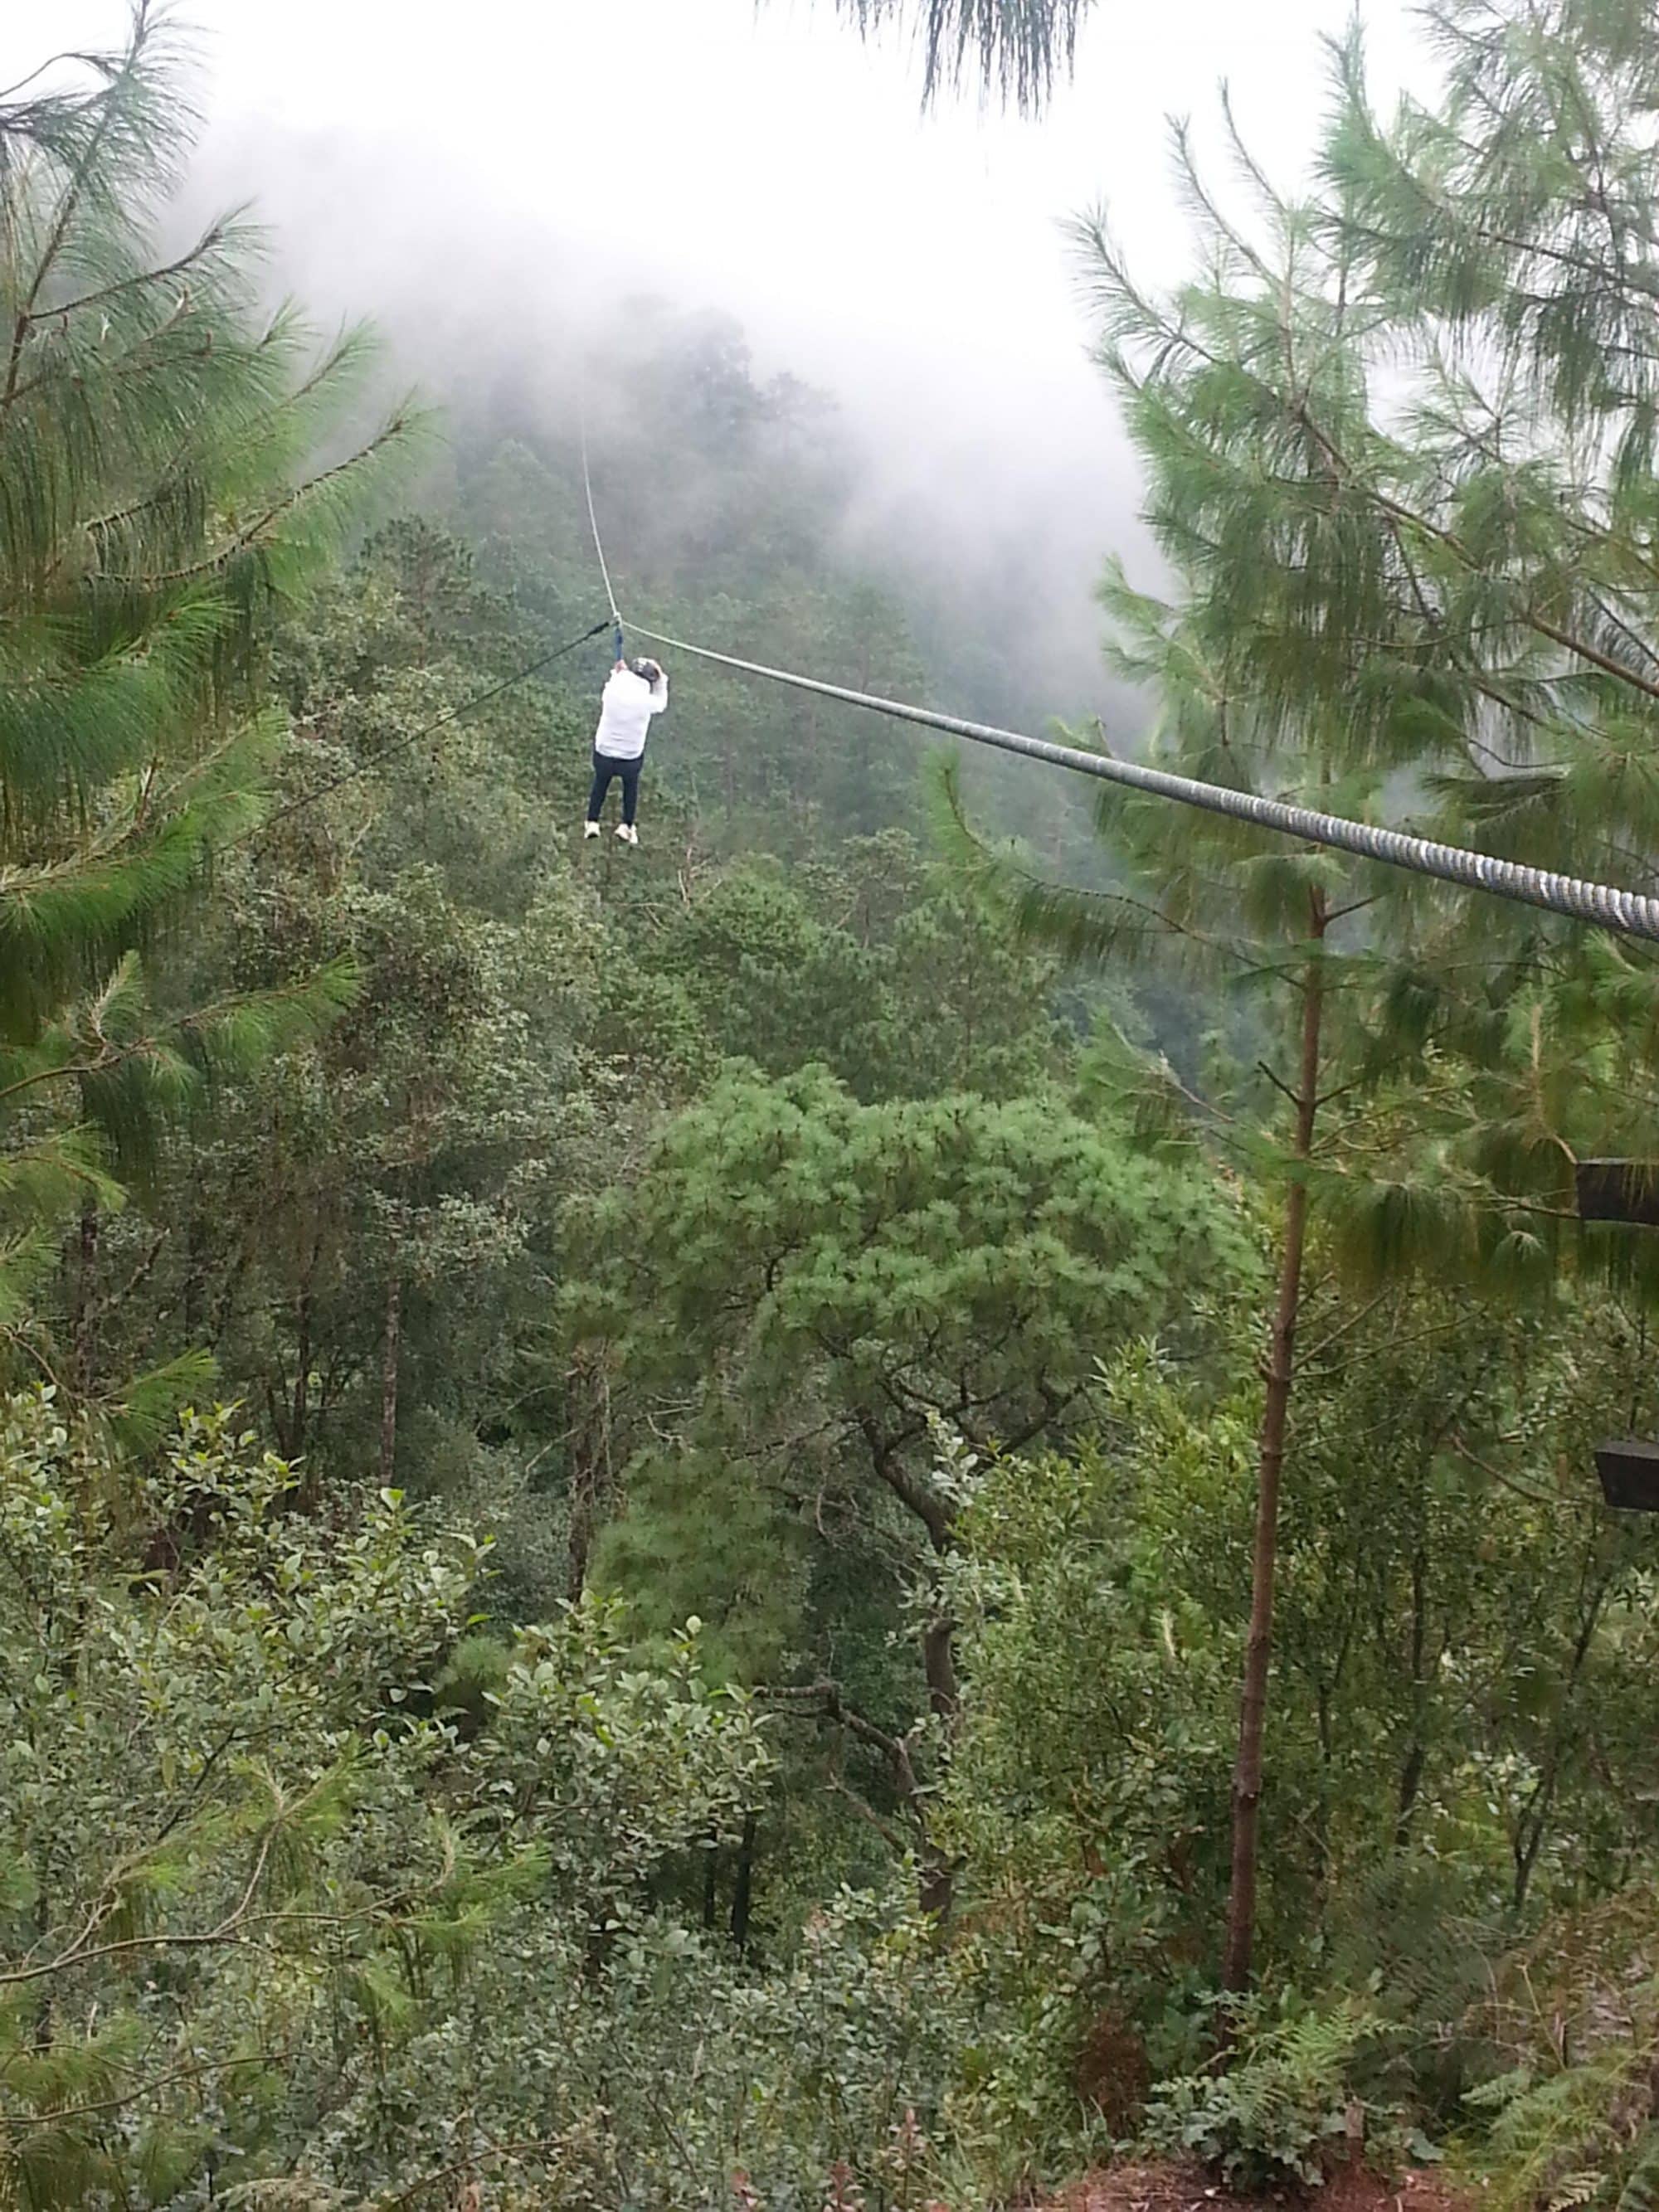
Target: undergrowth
1302 2086
1569 2114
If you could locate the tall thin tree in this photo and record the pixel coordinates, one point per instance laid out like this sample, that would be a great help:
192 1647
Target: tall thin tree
1398 438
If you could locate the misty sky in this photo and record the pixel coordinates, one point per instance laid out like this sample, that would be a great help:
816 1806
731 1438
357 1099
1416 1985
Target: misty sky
531 153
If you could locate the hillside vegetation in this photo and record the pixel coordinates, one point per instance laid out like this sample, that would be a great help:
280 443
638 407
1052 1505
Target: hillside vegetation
854 1509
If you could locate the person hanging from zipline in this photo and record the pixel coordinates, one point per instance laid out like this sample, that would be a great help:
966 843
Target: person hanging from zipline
631 696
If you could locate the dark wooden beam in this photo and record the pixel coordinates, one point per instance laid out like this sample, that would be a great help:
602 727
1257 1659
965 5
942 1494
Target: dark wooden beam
1619 1190
1630 1474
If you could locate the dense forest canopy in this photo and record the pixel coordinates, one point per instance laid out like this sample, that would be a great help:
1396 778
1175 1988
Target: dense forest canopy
898 1492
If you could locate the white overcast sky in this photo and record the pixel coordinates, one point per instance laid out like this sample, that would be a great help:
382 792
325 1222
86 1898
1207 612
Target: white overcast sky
759 159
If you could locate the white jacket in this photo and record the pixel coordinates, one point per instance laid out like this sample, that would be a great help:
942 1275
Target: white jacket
625 711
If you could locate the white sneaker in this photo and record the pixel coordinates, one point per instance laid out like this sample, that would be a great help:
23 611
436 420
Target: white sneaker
628 833
590 830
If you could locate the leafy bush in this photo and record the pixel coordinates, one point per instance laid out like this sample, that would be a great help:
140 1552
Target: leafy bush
1572 2021
1291 2095
264 1913
256 1906
1583 2135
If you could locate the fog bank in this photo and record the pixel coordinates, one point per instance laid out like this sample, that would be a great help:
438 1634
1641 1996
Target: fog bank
490 183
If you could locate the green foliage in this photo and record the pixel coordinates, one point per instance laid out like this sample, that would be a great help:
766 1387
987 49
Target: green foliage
829 1278
193 1677
1016 45
1568 2139
245 1885
1402 489
1284 2102
732 1230
1455 1756
1564 2111
1396 431
371 1190
158 431
1093 1756
872 963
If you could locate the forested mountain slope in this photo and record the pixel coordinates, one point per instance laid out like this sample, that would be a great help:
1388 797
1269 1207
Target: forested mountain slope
637 1486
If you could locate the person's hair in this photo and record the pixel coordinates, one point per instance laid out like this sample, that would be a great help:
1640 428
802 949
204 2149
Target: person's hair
648 669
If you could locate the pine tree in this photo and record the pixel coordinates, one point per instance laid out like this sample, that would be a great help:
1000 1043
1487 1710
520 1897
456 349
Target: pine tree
1237 912
1399 440
1288 930
154 434
1505 246
793 1294
1017 47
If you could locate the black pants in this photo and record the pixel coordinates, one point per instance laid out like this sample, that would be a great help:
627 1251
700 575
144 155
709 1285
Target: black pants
604 768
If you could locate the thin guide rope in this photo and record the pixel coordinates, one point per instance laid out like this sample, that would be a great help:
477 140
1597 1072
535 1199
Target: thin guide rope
594 523
467 705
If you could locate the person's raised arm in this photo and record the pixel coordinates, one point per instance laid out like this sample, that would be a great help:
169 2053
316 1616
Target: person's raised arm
659 692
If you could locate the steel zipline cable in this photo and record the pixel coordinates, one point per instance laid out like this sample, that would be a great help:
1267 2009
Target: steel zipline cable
593 524
1630 913
1627 914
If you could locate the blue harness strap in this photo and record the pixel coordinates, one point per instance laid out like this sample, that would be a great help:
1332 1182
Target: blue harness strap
619 642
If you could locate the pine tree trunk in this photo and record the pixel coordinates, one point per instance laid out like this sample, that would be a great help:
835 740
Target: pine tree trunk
195 1243
389 1351
1275 1415
711 1872
589 1447
1411 1779
937 1884
744 1890
85 1341
294 1444
579 1546
939 1659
